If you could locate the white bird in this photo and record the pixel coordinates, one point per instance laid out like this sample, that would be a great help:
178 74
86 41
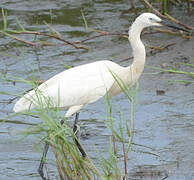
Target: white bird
74 88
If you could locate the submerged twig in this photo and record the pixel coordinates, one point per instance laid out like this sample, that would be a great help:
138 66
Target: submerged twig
53 36
151 7
19 39
103 33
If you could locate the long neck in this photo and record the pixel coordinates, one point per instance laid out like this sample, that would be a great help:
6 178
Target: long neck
138 48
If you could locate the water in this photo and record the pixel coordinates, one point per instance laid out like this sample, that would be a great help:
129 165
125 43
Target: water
164 128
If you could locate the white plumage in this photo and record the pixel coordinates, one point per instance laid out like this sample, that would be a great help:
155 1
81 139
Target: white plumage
76 87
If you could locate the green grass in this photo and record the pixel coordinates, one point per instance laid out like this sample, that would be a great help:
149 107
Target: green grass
176 71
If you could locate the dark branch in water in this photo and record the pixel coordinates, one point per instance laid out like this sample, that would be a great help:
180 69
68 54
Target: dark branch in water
53 36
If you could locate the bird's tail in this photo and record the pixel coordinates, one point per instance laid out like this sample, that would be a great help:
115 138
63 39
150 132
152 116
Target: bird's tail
24 103
33 99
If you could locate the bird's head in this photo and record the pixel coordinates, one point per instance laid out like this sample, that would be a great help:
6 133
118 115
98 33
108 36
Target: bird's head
149 19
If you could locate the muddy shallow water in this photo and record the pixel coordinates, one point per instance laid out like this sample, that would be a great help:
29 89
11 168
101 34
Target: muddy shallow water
164 116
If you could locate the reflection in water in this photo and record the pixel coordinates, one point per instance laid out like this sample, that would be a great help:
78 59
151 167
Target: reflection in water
164 129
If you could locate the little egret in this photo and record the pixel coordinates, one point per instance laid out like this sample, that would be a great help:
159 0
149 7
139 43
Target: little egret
74 88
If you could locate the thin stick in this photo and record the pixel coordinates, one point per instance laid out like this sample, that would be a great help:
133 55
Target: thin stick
57 155
114 144
18 39
103 33
188 7
125 161
51 36
155 10
133 7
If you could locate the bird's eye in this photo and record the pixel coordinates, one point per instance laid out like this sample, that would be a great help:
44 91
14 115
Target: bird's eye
151 19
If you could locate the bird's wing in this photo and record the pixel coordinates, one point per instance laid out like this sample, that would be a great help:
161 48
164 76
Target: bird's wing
77 86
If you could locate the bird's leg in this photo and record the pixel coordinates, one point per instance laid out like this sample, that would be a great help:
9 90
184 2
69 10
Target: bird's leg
42 161
75 123
76 139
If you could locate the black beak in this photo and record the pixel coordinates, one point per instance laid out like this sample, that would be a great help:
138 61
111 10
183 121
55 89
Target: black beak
172 25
